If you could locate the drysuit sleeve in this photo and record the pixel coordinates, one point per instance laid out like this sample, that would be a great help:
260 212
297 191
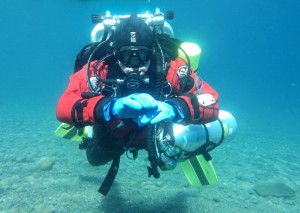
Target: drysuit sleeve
73 108
196 99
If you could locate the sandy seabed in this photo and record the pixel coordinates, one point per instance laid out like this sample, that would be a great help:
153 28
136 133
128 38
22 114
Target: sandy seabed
71 185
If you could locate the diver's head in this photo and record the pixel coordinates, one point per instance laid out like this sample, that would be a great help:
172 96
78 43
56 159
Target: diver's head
133 44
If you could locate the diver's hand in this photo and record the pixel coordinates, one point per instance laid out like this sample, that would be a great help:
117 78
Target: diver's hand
164 112
134 105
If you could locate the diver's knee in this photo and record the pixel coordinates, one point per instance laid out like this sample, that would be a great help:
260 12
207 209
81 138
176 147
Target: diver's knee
98 156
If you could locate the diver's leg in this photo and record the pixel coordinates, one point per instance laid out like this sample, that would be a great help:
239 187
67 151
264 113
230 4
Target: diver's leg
97 155
101 149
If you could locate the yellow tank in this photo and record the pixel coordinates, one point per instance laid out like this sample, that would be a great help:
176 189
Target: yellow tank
193 51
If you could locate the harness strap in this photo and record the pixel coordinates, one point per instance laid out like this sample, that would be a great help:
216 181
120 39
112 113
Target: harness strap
195 104
207 147
111 175
114 167
78 109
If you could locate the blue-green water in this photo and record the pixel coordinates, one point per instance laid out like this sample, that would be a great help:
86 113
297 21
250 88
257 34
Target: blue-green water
250 54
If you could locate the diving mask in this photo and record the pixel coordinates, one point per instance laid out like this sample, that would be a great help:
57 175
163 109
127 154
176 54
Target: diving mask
134 56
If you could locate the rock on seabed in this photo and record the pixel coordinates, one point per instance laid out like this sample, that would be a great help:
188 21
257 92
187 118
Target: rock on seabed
276 188
46 163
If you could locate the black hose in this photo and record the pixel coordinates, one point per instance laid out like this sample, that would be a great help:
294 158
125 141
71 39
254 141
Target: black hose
159 72
151 148
106 38
188 62
151 129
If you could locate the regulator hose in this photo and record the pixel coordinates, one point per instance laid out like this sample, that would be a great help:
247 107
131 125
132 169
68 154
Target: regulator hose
151 129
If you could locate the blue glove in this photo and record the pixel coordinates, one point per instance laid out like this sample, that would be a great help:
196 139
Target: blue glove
164 112
134 105
145 118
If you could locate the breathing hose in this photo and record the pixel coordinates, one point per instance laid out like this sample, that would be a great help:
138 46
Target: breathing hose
151 129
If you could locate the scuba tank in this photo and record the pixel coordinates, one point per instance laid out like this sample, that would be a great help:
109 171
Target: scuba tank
105 24
196 139
190 52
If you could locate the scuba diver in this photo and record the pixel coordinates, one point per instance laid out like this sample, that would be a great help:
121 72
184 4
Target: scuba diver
131 88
